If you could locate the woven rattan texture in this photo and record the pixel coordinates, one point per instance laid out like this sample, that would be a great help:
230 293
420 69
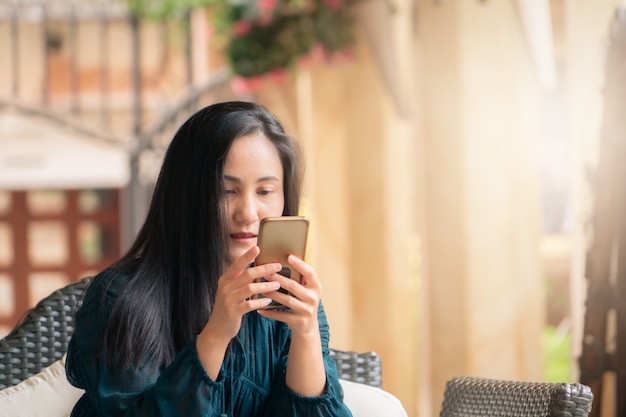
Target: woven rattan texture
469 396
364 368
43 336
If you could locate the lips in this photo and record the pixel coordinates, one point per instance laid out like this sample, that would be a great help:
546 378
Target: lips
243 235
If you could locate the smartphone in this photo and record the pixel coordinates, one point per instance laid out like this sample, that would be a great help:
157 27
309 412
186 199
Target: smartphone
278 238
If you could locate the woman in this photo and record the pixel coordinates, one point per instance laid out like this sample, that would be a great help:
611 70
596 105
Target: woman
172 329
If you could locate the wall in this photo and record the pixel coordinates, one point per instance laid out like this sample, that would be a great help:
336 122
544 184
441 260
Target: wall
482 198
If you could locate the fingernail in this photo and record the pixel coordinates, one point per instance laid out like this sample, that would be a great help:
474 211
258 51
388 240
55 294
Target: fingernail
276 285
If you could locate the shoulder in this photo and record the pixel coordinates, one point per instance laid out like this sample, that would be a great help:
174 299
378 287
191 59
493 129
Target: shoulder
104 289
92 316
108 280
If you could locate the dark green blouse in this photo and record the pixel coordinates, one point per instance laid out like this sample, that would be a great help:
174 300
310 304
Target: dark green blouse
251 381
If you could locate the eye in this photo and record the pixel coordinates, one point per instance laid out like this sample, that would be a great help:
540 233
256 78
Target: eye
265 192
229 191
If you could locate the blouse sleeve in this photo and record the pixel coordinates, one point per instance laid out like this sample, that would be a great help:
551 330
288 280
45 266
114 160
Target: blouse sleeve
138 391
285 402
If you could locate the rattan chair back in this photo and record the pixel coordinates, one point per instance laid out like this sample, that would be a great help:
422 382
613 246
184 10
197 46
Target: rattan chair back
361 367
470 396
41 339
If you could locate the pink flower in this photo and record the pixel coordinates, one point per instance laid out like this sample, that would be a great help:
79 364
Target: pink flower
334 4
242 27
343 56
240 86
305 62
316 53
243 86
279 75
267 5
319 52
255 83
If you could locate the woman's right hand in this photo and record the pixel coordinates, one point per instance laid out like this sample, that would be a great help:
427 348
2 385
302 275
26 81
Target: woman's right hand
235 290
233 299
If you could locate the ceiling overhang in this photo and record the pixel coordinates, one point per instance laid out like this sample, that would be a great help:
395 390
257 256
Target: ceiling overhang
36 153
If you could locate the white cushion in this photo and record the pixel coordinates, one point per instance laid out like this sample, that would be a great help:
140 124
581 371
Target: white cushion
367 401
47 394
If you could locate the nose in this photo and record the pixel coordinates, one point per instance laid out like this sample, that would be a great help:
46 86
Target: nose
246 210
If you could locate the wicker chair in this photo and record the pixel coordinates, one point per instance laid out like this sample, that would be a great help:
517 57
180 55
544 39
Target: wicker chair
43 335
470 396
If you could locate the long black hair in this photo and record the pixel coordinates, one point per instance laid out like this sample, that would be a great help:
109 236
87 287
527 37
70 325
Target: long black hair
179 254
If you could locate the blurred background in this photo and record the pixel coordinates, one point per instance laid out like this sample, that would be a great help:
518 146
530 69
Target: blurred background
463 165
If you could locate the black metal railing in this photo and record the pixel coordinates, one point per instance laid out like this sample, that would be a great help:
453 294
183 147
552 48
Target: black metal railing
64 63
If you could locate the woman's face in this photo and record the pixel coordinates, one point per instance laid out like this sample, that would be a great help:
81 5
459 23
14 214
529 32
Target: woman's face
253 187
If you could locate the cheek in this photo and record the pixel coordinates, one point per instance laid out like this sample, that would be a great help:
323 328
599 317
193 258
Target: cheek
279 206
272 210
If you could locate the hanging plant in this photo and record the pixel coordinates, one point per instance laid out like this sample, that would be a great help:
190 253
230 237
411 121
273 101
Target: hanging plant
266 38
162 9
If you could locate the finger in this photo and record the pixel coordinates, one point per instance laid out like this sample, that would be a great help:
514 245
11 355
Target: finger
264 287
285 283
288 300
252 281
243 262
257 303
309 277
261 271
249 283
291 293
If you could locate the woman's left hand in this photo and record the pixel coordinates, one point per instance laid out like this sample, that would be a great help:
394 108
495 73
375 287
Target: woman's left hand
305 369
303 303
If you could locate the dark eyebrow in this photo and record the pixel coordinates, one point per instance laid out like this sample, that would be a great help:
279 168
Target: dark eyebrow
262 179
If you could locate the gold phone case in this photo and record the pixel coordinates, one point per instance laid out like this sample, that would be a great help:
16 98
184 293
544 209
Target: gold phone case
278 238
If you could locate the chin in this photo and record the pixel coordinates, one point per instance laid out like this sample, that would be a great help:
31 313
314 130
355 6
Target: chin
235 254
